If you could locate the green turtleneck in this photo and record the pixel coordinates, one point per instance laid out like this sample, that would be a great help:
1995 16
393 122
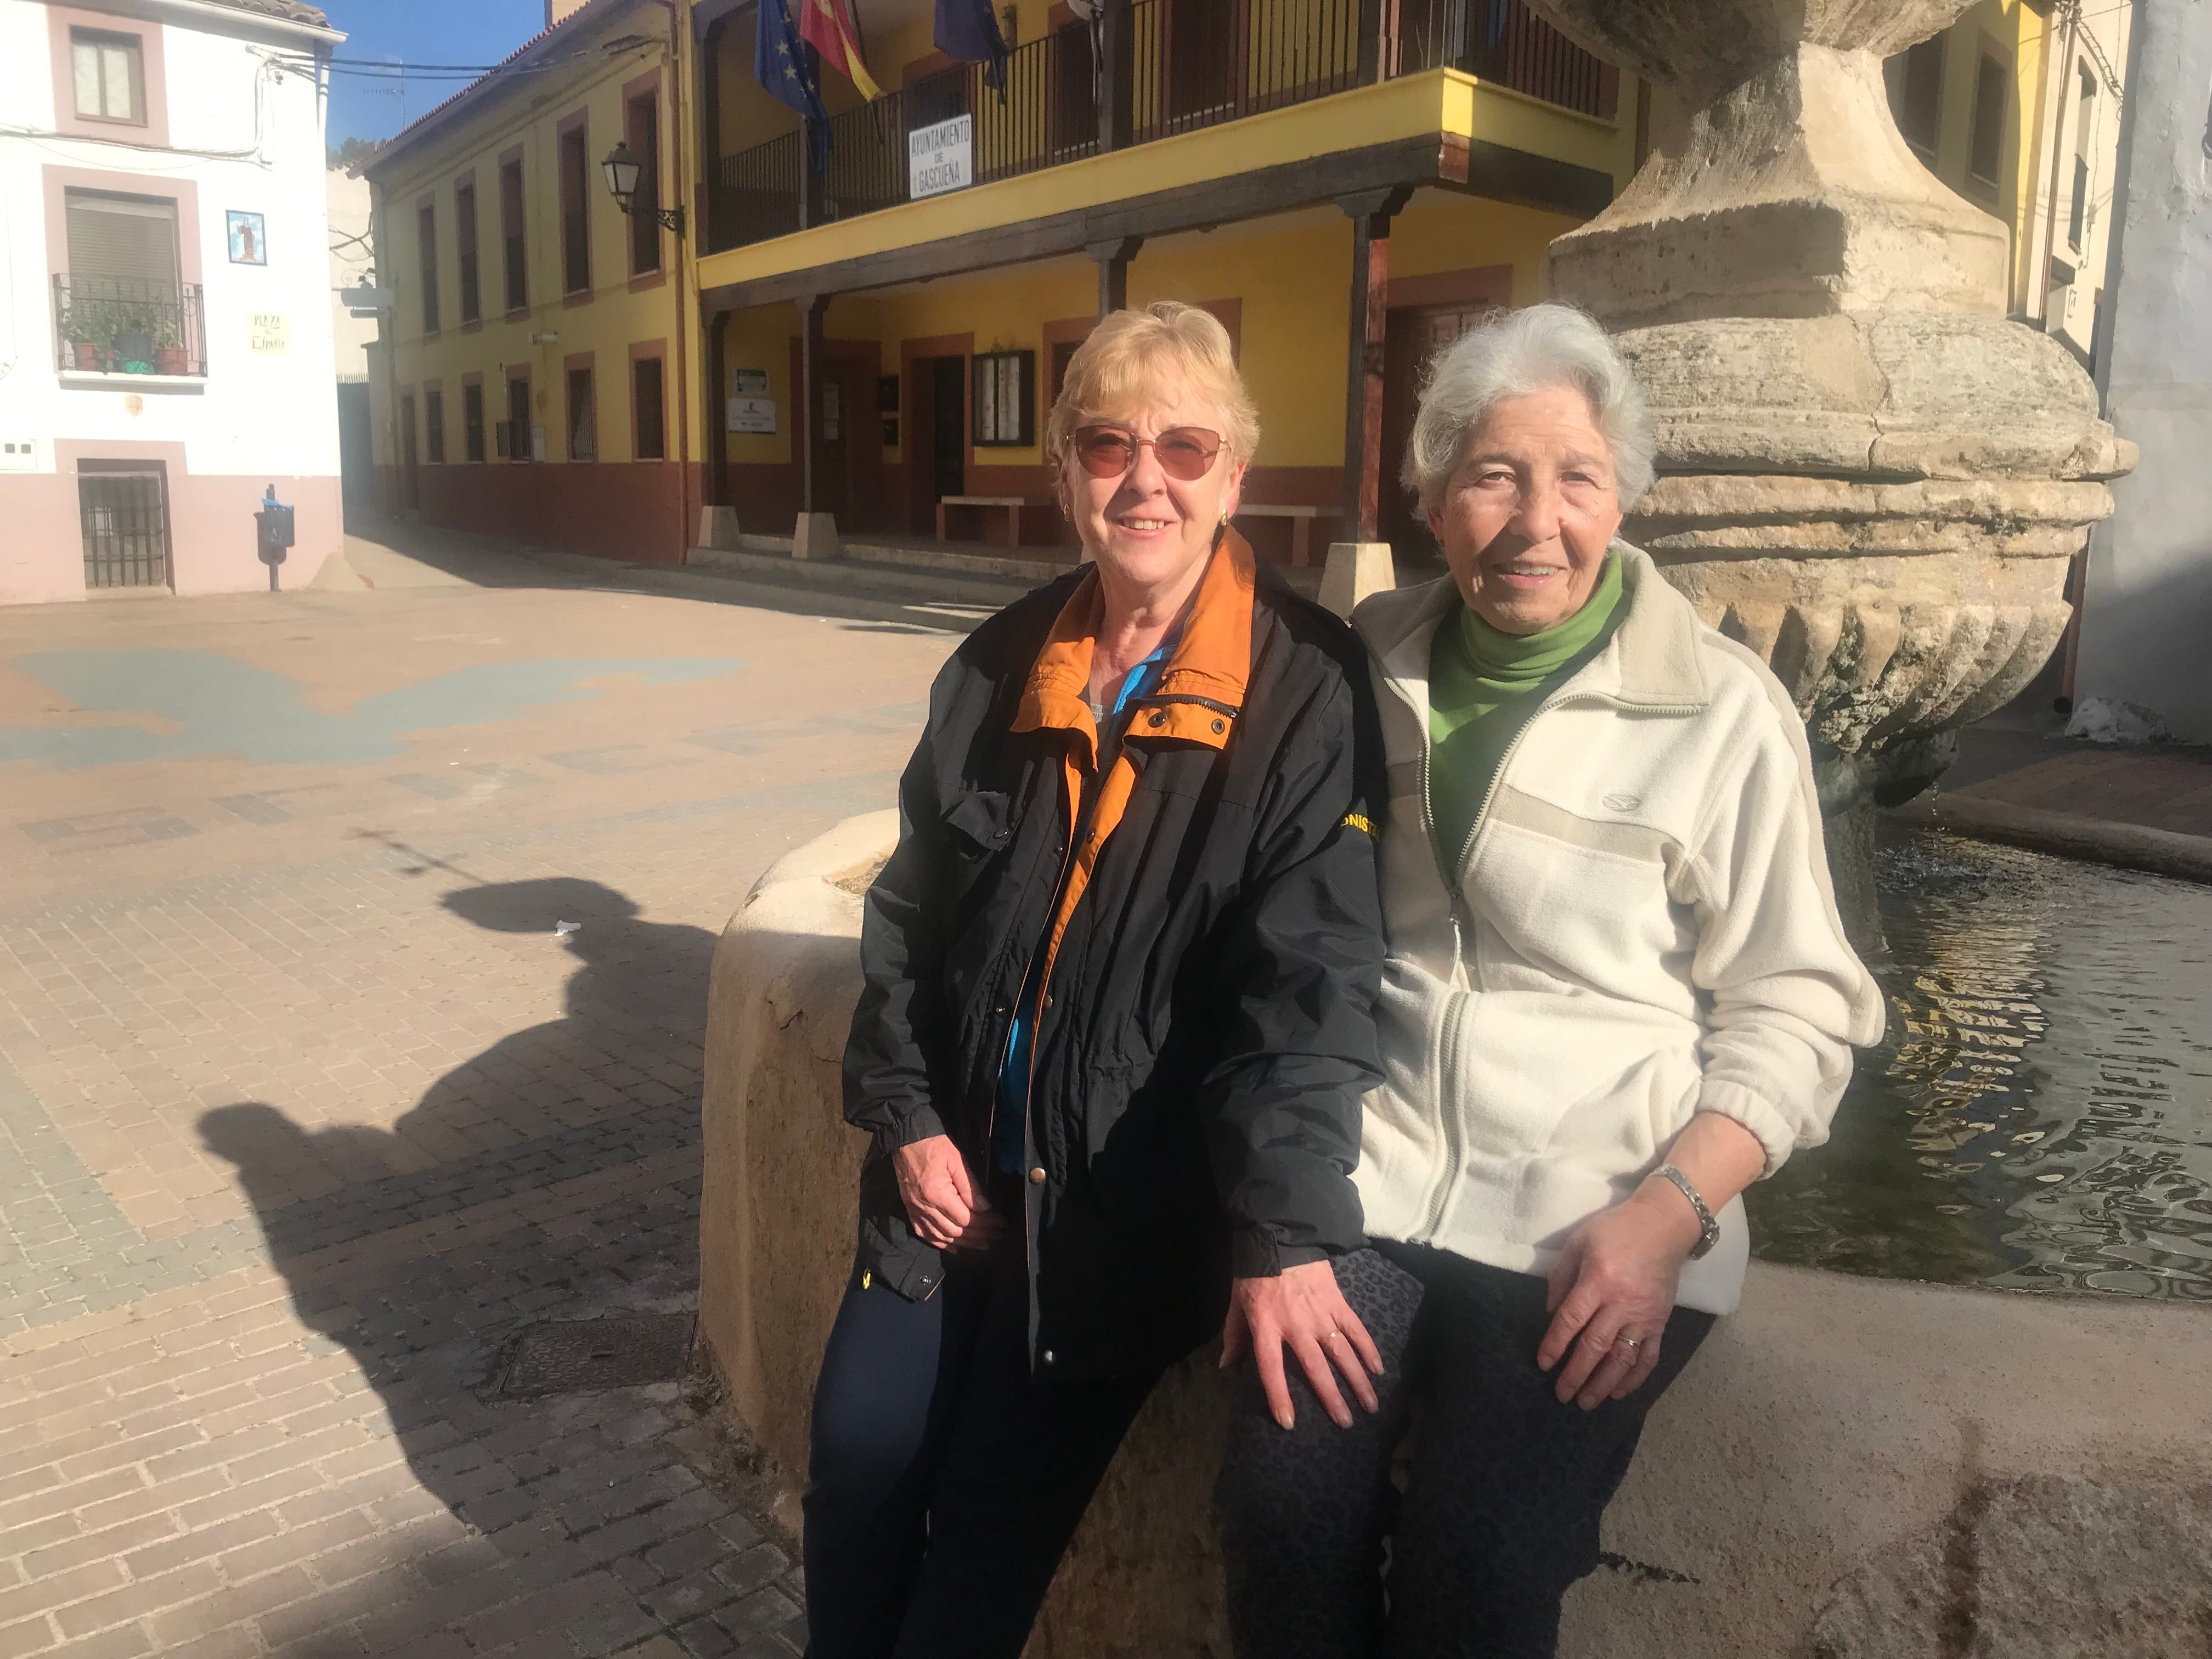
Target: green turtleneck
1484 686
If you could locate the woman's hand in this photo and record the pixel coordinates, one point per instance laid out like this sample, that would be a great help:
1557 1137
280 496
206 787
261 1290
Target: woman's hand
1301 1307
1613 1289
942 1203
1616 1278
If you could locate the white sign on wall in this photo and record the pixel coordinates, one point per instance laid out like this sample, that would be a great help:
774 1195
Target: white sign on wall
941 157
271 334
752 415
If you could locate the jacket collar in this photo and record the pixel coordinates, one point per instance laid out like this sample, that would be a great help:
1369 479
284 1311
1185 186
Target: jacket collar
1651 661
1213 660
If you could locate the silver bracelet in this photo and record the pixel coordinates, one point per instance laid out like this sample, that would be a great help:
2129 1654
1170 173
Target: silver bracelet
1709 1231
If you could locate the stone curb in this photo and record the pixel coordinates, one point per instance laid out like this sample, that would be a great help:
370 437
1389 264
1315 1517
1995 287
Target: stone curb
2098 840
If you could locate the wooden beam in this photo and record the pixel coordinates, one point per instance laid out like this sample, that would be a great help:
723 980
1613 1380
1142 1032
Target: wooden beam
811 460
1440 159
1371 212
1113 257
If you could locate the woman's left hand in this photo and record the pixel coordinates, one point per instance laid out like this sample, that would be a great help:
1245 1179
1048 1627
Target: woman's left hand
1613 1289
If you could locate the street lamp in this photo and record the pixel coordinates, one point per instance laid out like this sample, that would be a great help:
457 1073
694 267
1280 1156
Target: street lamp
623 168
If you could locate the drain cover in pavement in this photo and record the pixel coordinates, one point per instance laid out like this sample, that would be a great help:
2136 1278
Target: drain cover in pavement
567 1356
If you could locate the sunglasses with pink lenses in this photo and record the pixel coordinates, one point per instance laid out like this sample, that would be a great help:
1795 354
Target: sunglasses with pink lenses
1184 452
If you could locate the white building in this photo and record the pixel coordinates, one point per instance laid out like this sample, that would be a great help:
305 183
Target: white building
2147 605
165 344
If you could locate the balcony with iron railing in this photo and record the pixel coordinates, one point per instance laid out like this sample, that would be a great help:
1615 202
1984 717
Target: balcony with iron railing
124 325
1183 67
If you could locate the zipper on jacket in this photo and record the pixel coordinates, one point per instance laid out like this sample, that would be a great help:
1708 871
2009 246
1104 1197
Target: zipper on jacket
1455 1011
1087 809
1447 1119
1463 949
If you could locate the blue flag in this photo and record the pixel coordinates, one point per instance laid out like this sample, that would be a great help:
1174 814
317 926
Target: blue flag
967 29
781 65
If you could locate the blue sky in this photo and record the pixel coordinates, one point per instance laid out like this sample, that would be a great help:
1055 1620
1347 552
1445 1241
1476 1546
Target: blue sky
416 32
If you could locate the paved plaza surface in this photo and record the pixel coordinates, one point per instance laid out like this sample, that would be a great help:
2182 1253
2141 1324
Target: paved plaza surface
310 1110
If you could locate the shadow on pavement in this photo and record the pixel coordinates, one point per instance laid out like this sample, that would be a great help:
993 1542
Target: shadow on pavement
426 1250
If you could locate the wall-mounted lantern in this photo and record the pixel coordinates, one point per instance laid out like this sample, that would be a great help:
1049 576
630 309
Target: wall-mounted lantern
622 169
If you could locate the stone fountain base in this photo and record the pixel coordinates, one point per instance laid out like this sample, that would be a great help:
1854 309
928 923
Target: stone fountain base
1850 1467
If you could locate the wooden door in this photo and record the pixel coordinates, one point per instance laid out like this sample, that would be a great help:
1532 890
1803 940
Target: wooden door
936 437
1204 62
1412 337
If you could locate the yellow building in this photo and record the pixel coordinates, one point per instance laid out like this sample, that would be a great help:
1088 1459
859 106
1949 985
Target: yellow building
1272 160
538 377
1344 182
2017 107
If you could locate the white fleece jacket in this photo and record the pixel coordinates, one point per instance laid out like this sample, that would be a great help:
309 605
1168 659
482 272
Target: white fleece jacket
1644 930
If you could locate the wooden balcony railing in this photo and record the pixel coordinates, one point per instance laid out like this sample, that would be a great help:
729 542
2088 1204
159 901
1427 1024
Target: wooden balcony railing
1190 64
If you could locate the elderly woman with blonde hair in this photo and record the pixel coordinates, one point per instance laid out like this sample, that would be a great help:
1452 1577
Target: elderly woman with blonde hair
1616 993
1117 1024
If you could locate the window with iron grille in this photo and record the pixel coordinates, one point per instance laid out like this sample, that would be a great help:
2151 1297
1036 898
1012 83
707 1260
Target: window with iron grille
120 306
645 386
472 422
434 426
583 426
426 237
464 248
643 116
1986 151
110 72
575 213
511 234
125 520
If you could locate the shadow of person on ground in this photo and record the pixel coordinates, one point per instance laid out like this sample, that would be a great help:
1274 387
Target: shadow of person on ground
567 1157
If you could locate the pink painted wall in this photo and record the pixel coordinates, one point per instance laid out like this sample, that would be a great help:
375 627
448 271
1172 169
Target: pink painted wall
211 548
41 549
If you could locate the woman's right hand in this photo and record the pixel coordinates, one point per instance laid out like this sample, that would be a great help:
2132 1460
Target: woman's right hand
947 1210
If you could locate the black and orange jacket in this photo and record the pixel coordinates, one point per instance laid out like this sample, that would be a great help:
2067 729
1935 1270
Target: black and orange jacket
1214 946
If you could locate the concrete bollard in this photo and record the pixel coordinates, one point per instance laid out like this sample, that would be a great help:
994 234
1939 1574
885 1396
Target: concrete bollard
1354 570
815 537
718 527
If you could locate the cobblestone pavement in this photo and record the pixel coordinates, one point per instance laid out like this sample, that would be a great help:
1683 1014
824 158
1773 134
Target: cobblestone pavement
307 1111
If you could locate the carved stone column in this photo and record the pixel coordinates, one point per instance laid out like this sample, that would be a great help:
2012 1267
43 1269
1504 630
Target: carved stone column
1867 474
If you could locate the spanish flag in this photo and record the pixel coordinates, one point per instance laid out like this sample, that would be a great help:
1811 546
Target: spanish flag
827 26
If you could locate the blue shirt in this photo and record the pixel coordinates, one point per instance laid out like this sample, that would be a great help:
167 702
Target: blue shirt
1010 1124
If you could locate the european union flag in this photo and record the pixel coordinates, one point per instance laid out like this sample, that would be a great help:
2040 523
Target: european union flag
781 64
967 29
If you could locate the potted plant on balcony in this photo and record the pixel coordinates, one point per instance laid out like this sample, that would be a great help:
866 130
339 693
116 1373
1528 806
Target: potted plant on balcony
135 324
85 326
170 356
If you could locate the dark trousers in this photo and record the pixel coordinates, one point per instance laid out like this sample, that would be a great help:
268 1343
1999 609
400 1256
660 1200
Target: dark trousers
946 1484
1500 1514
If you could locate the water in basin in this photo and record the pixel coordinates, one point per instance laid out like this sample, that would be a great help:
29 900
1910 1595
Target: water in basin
2039 1114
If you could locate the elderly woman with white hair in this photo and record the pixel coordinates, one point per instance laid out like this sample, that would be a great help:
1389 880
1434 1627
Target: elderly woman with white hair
1617 992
